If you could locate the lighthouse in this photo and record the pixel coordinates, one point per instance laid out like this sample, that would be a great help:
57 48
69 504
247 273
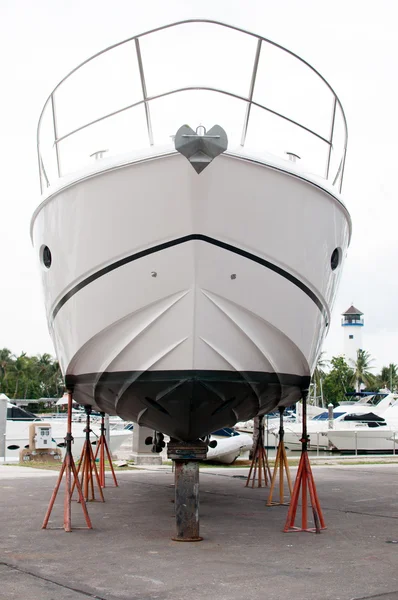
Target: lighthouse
352 321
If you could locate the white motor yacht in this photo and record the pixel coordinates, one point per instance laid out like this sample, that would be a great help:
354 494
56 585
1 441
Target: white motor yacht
347 417
191 234
19 421
372 436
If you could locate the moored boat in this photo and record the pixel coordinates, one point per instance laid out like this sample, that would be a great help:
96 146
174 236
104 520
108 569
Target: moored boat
348 417
17 433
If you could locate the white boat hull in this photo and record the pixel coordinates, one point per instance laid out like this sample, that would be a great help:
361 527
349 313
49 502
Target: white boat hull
17 437
185 302
318 439
364 440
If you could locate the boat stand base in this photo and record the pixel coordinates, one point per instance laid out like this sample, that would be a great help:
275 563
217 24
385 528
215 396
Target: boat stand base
186 459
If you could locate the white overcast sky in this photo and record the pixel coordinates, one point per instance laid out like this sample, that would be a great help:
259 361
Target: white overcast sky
352 43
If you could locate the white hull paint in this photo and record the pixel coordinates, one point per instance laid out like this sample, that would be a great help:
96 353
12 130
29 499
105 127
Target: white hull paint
17 434
318 439
189 290
195 305
364 440
228 449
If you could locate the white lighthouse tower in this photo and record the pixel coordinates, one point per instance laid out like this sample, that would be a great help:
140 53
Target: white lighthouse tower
352 322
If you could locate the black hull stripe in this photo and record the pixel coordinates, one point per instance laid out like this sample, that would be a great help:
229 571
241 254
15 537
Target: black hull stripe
210 376
183 240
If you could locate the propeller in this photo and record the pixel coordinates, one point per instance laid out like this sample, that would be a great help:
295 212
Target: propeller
156 441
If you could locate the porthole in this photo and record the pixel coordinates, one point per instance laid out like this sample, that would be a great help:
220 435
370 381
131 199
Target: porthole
335 259
46 258
13 447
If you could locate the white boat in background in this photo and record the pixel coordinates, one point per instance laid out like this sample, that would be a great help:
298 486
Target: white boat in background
189 272
363 438
344 419
272 420
230 445
17 433
369 437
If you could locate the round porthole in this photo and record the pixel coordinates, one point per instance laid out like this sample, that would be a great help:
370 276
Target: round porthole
335 259
46 256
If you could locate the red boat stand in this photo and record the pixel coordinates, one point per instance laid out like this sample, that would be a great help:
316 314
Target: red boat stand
69 468
305 482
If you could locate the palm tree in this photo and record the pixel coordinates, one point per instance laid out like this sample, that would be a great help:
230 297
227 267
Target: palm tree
55 378
319 375
361 370
6 361
393 377
387 378
43 364
20 368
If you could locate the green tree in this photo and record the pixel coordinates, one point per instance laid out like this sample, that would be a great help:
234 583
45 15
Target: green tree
319 376
387 378
20 368
29 376
361 370
55 381
6 363
338 381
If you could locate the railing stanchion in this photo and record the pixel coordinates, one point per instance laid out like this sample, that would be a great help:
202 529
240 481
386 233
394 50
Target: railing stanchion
55 134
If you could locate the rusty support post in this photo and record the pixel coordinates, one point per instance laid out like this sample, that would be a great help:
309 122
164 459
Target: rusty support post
87 466
186 458
281 465
69 468
259 460
305 482
103 449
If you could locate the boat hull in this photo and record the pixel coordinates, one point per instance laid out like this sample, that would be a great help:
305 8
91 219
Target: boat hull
187 303
364 440
17 437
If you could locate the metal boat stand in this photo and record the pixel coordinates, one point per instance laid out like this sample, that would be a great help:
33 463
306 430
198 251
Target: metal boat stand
305 481
259 460
281 465
186 459
102 449
87 466
69 468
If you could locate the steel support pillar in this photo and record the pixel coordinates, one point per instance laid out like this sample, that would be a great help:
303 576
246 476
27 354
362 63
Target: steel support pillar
186 459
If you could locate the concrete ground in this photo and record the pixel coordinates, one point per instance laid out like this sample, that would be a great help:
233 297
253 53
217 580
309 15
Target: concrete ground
129 554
